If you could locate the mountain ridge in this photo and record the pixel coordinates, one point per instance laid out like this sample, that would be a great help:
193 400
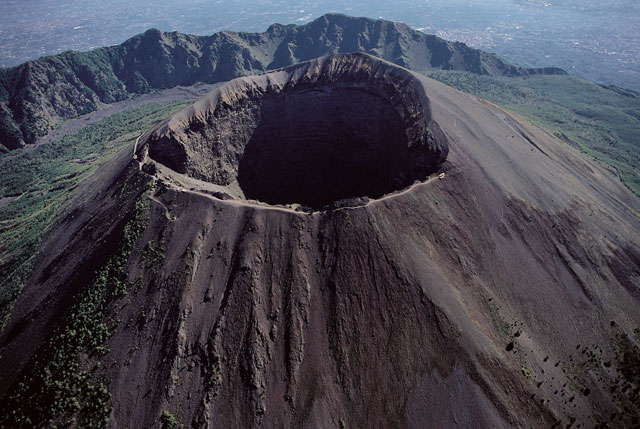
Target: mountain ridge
36 95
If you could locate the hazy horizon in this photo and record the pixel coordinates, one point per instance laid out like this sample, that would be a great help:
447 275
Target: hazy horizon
575 35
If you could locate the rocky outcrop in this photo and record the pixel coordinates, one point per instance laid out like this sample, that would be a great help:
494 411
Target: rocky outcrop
341 126
36 95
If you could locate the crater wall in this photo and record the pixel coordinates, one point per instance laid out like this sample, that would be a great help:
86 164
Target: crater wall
342 126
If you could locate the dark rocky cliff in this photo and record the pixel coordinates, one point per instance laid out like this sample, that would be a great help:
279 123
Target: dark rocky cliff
36 95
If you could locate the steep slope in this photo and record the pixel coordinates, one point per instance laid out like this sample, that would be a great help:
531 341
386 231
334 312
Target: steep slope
503 295
601 121
36 95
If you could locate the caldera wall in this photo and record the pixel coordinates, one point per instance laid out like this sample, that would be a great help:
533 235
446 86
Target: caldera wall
337 127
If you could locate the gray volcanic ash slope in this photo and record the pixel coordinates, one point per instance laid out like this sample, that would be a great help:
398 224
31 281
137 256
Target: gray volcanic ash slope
504 294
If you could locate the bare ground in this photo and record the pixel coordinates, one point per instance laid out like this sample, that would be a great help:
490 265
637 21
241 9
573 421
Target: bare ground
498 296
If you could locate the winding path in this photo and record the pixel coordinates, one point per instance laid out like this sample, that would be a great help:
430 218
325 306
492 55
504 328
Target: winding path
260 206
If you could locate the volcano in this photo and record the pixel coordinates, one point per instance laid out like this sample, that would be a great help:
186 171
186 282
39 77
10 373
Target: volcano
338 243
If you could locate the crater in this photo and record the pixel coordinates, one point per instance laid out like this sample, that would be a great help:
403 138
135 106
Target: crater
335 128
318 146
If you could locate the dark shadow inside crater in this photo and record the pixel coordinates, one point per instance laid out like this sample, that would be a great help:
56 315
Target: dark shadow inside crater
317 146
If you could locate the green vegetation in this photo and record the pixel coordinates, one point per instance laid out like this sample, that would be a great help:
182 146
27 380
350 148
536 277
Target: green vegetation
504 329
215 380
169 421
626 384
59 385
35 184
603 122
